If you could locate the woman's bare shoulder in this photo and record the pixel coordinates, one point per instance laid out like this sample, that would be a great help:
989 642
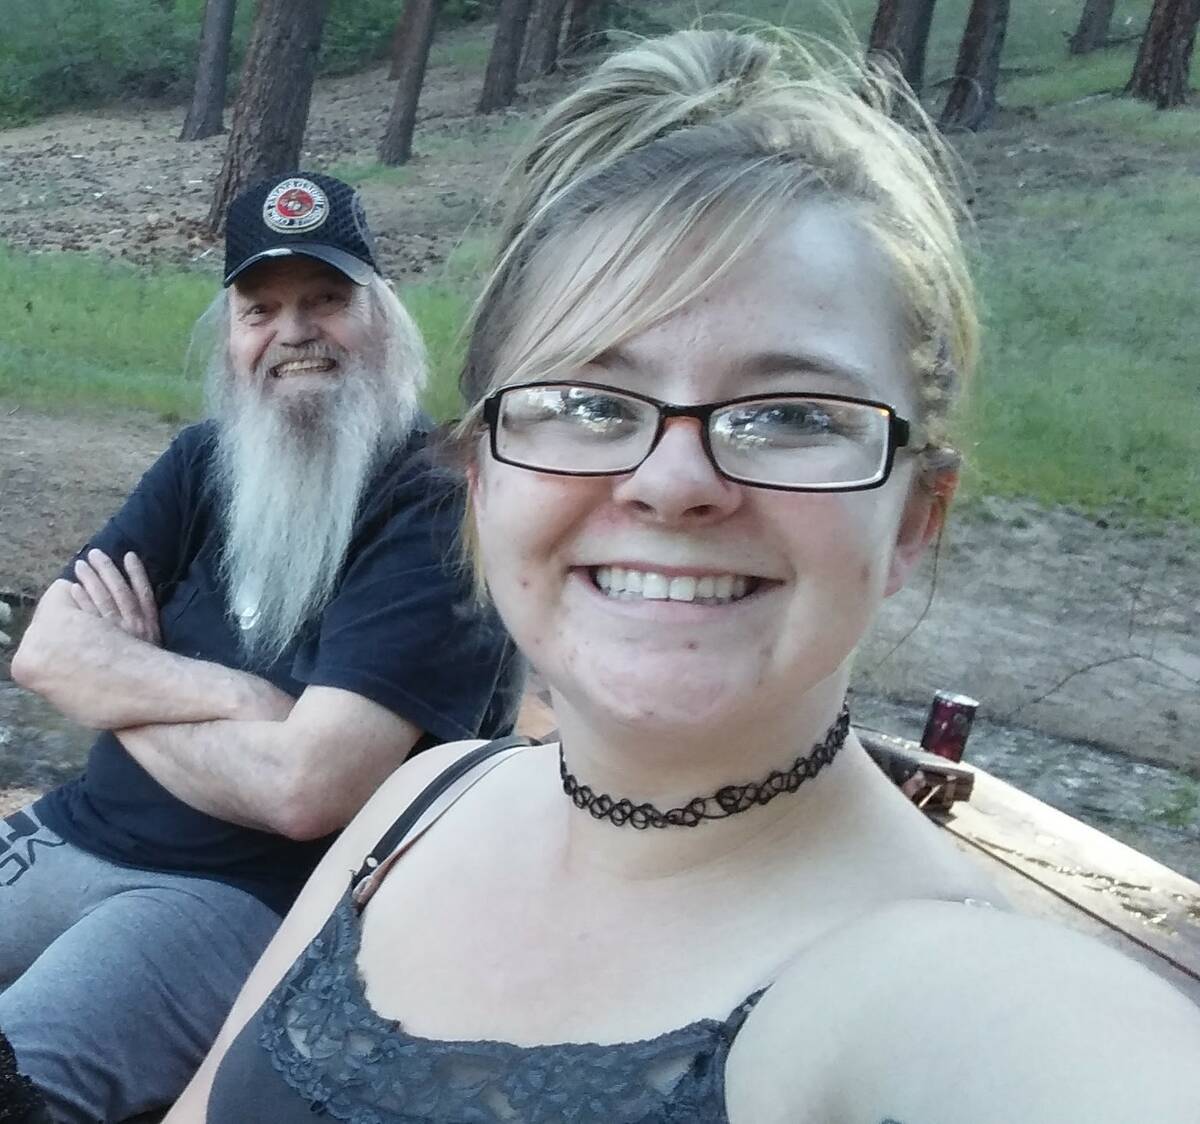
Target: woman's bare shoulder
393 797
938 1012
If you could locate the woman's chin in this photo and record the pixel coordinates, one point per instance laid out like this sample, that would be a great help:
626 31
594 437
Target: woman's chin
663 700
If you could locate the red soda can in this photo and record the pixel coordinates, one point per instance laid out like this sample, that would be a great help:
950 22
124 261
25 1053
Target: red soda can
948 725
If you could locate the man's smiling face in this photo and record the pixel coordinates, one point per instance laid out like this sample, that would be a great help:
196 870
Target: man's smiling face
295 324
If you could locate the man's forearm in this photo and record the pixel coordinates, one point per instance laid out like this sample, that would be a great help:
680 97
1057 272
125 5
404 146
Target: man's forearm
302 777
101 677
235 771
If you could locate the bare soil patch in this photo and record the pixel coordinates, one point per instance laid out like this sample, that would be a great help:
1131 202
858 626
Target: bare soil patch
117 181
63 477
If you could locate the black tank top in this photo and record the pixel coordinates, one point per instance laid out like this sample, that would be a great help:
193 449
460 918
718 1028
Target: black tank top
317 1048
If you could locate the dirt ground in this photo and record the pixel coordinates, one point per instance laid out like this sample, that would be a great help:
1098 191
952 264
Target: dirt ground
117 181
1052 619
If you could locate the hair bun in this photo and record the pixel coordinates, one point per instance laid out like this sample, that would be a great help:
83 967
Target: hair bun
635 97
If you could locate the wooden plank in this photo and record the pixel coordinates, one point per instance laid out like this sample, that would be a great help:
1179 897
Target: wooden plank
1150 906
1032 899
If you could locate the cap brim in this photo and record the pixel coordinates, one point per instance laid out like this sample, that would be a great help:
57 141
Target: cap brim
354 268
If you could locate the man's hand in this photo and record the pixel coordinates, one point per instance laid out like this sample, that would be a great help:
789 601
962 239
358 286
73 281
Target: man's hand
103 591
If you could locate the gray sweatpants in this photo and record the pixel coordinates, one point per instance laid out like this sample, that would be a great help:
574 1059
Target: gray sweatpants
114 982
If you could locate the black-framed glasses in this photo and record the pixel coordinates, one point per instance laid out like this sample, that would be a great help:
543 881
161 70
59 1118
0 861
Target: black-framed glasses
792 442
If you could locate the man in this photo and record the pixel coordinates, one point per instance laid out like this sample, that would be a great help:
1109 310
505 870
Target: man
274 620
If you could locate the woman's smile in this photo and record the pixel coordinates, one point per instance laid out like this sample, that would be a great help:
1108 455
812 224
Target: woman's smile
662 593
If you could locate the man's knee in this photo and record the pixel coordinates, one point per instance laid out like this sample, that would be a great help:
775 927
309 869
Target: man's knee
36 897
117 1013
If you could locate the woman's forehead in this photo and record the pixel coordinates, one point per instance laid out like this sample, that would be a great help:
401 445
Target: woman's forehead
811 293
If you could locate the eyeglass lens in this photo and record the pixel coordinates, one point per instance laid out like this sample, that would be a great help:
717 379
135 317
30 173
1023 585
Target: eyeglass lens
787 440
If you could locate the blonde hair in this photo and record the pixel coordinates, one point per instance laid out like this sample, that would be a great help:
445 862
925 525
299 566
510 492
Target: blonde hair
716 133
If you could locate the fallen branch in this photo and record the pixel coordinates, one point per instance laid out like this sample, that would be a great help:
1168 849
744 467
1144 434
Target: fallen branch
1092 667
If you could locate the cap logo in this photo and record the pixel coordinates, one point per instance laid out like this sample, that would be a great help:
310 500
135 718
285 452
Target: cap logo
295 205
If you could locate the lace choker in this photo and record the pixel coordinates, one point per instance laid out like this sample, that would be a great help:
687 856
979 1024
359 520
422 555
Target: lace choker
726 801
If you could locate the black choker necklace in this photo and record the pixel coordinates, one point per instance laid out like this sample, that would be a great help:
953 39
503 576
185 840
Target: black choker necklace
727 801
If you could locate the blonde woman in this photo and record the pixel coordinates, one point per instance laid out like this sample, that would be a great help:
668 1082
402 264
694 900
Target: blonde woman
708 385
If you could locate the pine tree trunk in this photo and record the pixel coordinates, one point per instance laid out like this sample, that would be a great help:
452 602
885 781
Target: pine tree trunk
500 81
1094 24
541 39
580 26
271 111
901 30
408 67
205 116
972 98
401 36
1164 60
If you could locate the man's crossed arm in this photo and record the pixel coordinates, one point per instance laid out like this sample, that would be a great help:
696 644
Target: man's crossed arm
224 741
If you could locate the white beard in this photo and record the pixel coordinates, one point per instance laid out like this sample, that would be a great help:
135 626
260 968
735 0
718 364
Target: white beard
291 470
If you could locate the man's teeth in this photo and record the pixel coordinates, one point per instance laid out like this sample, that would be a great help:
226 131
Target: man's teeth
300 366
651 586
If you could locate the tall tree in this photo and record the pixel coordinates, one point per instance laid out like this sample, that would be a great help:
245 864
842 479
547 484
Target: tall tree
500 80
972 98
541 38
581 25
901 30
271 111
1164 60
1092 32
205 116
408 67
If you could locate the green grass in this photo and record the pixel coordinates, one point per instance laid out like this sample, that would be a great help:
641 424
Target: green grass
463 52
359 173
1070 79
1174 129
81 333
1090 393
1180 806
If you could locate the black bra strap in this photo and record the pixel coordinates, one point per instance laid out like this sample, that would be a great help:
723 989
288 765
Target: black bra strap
425 799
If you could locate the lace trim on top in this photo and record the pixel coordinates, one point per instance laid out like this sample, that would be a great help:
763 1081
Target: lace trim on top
334 1050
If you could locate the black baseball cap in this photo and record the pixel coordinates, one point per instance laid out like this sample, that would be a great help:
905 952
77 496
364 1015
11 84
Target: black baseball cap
304 214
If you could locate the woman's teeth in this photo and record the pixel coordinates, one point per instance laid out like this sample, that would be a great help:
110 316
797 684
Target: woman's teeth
715 589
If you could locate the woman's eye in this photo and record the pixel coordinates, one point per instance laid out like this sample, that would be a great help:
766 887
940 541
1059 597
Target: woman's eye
782 423
597 409
575 409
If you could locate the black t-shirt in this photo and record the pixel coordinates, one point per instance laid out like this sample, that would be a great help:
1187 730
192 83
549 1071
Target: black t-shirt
402 629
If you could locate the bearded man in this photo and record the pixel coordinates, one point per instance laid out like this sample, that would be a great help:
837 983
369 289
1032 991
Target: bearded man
270 625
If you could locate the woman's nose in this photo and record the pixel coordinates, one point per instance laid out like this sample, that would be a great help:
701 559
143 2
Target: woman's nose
678 481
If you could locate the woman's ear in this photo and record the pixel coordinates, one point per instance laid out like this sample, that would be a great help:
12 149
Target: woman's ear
923 519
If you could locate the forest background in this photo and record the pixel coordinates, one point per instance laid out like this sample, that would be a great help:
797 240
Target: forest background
1067 595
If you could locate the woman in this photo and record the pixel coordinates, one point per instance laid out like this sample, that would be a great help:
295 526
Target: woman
709 385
